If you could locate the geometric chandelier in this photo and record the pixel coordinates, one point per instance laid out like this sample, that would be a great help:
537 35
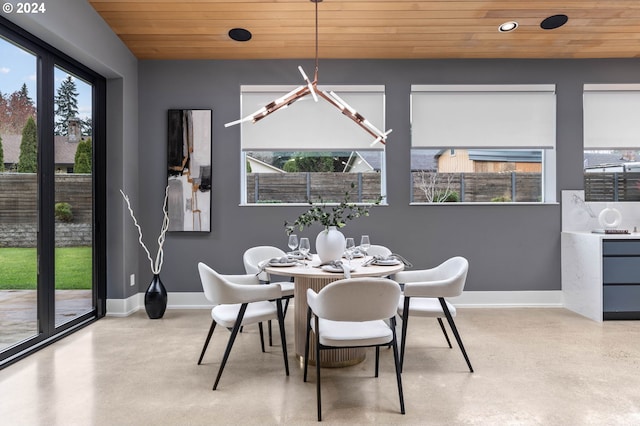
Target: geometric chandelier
312 88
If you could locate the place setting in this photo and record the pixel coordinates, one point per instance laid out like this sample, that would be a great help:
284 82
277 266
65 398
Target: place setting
388 260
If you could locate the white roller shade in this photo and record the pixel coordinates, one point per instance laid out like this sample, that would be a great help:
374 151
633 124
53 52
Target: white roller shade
483 116
310 125
611 116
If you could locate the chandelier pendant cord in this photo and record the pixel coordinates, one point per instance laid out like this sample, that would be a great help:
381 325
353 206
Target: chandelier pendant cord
315 77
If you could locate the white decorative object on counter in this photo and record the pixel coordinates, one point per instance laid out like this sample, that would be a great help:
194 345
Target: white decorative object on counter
610 218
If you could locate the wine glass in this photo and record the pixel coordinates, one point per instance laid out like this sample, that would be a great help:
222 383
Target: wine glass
365 244
293 242
350 247
304 248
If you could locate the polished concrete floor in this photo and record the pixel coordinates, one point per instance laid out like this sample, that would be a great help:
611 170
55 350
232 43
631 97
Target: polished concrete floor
532 367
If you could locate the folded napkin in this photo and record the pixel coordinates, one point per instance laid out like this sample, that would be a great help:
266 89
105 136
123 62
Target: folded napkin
265 263
356 253
297 255
339 265
392 256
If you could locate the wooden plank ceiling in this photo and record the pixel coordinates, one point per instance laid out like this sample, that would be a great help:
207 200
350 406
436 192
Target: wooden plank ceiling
382 29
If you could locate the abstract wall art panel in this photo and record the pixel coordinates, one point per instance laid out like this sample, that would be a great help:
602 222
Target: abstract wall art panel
189 169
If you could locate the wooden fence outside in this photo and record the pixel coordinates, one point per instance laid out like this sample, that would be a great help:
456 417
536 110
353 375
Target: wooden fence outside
19 196
485 187
624 186
300 187
331 186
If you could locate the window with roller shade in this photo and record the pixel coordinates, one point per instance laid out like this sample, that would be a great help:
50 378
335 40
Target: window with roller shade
611 142
483 143
310 150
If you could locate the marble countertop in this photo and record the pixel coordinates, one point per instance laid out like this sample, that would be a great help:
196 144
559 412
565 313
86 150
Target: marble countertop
633 235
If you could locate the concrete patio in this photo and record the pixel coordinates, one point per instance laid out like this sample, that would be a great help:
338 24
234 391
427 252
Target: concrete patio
18 312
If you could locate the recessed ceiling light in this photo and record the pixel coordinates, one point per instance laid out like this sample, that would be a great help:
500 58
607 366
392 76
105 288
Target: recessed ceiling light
553 22
508 26
240 34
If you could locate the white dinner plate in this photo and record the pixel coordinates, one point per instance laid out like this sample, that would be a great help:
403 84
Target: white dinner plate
279 264
386 262
331 268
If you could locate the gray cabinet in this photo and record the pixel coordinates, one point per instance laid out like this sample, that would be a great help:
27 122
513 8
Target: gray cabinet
621 279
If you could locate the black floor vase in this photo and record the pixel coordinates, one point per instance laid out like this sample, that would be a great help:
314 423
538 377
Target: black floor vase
155 298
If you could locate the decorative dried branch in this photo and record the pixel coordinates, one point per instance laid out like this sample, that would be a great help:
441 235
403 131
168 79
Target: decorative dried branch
429 184
157 265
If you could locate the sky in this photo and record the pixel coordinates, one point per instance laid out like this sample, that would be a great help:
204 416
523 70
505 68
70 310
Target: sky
18 66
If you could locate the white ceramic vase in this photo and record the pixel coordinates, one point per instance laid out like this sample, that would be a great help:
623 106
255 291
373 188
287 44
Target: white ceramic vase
330 244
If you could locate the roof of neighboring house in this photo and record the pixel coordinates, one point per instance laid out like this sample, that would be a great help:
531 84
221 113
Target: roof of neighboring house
425 159
372 158
65 151
506 155
258 163
594 159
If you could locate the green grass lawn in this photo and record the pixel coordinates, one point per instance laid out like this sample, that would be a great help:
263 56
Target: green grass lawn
18 268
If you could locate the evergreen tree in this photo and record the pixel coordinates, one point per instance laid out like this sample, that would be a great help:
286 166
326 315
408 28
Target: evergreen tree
66 101
87 126
84 153
23 94
1 156
28 161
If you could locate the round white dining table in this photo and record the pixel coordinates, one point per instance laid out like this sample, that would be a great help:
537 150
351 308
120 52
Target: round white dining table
312 276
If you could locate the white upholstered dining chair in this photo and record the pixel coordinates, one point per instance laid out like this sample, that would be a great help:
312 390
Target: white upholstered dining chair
424 296
378 250
351 313
240 300
254 259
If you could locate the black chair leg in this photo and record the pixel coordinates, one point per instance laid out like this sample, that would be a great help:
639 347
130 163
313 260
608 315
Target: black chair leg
206 342
377 359
284 314
317 333
444 331
452 324
398 365
306 345
283 337
232 338
261 336
405 320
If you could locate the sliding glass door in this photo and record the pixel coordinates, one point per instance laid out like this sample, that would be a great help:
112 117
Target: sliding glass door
52 174
19 195
73 208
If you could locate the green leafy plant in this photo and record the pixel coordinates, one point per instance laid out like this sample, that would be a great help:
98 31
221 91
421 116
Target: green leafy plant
501 199
447 197
63 212
335 215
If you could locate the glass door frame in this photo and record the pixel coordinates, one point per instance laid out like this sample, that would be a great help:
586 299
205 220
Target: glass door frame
47 59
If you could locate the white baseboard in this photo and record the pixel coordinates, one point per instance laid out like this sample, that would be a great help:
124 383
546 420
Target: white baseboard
469 299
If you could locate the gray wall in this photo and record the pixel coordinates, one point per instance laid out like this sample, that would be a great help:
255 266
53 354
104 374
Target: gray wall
513 247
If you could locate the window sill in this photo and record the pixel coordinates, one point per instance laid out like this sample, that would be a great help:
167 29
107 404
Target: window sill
552 203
